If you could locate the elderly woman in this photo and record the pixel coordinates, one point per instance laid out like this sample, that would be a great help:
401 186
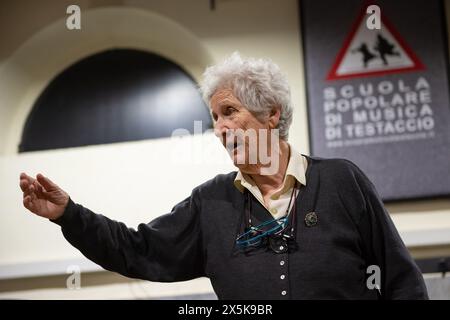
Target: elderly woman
285 226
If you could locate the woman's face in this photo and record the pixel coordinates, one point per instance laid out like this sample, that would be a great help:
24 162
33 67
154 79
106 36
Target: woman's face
241 133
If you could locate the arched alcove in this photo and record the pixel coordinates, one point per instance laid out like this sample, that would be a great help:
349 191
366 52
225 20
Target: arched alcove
114 96
30 69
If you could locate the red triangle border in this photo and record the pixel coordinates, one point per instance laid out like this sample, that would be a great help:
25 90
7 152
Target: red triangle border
418 65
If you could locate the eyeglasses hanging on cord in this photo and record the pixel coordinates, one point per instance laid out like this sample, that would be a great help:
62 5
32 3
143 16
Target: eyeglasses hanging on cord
276 232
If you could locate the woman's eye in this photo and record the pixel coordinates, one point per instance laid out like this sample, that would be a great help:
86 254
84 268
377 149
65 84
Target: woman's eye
229 110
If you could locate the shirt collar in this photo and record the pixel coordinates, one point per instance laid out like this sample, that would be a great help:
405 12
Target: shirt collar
296 170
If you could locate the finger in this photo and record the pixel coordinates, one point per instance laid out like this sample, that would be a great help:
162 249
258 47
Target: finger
25 180
37 186
46 182
24 184
39 190
32 193
27 203
29 190
24 176
26 193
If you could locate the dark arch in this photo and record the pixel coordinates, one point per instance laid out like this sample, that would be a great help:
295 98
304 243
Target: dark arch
114 96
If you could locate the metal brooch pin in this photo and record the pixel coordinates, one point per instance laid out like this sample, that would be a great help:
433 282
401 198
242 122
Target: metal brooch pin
311 219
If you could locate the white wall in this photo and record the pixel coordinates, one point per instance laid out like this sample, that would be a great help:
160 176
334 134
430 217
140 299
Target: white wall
130 181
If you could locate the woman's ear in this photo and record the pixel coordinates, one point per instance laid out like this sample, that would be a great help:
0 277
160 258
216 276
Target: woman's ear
274 117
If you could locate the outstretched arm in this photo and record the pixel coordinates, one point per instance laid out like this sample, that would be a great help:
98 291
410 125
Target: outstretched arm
167 249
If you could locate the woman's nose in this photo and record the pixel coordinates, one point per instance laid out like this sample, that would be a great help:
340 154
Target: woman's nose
219 128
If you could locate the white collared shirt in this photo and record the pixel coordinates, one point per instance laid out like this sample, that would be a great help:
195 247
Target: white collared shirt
279 201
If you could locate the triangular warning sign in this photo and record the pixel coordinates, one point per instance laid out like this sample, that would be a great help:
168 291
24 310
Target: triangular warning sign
373 52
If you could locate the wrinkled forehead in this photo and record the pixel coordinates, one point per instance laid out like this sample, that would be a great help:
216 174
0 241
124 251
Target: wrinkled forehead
223 96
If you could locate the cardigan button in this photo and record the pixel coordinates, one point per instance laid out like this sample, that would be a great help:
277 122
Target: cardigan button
282 277
281 263
283 293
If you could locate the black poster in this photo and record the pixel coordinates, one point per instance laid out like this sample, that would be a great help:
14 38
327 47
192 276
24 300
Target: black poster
378 95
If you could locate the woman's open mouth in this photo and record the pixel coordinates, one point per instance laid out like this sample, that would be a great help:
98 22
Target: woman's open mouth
231 145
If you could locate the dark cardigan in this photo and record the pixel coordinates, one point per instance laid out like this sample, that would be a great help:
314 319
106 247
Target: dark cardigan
329 259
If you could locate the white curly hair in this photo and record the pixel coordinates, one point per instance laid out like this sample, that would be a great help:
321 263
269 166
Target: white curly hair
259 85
